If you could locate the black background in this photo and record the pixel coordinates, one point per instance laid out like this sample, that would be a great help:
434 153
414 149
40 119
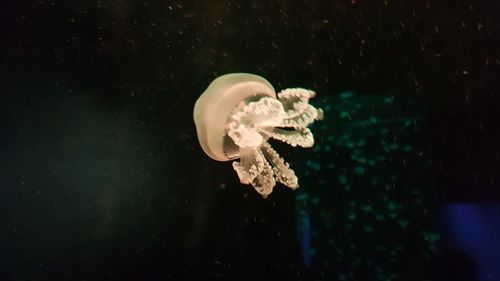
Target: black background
101 173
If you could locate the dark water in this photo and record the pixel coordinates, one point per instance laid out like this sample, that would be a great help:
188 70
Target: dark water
102 176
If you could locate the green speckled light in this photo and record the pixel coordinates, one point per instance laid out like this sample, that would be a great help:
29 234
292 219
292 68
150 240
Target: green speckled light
375 166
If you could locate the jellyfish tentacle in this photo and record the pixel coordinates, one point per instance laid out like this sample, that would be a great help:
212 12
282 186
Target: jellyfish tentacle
265 181
282 171
304 119
295 100
251 164
301 137
299 113
254 169
242 124
251 124
264 112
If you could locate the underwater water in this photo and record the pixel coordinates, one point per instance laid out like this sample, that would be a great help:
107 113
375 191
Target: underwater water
102 176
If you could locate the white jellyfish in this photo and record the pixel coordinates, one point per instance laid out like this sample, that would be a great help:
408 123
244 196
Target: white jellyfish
239 112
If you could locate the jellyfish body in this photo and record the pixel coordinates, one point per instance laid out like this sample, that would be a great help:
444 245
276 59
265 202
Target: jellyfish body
239 112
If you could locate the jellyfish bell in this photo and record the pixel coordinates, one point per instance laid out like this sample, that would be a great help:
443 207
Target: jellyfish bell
239 112
213 107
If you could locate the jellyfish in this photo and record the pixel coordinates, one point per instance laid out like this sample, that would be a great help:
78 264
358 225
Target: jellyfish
236 116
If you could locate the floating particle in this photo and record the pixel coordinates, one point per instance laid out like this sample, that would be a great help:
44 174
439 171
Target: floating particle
350 144
430 236
367 208
346 95
351 216
384 131
393 206
342 179
360 170
403 223
368 228
393 146
407 148
313 165
389 100
301 197
344 114
359 159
